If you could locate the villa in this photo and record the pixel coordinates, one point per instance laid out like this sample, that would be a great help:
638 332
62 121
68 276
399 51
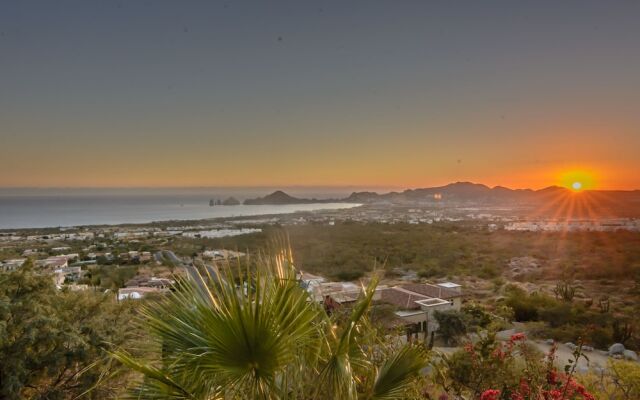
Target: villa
413 304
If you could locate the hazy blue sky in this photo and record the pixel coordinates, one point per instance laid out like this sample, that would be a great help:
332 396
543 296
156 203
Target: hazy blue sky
390 93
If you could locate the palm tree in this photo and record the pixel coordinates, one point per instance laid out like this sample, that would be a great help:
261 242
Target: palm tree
261 336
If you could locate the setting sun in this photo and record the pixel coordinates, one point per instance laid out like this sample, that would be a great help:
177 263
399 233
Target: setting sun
578 180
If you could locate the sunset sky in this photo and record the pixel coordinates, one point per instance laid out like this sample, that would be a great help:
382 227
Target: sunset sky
371 93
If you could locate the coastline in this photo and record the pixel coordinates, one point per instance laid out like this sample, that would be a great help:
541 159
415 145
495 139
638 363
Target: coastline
187 218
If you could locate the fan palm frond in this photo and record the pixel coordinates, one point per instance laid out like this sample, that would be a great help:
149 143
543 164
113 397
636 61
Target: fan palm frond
398 373
345 352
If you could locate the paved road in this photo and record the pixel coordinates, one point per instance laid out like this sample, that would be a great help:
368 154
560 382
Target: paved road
564 353
189 268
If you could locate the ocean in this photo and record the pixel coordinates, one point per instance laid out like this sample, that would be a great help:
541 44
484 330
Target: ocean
41 208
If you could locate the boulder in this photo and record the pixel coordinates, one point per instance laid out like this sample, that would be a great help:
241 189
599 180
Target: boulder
616 348
630 355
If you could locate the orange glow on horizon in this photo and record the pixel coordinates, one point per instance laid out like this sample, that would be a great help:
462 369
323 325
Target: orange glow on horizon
578 180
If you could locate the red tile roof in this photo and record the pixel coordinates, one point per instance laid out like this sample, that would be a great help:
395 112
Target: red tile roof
433 291
401 299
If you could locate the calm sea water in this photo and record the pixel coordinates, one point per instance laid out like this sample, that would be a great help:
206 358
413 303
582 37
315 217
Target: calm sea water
76 208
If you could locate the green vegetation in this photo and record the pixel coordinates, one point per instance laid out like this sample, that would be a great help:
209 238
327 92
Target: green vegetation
110 276
271 342
620 381
54 344
451 325
442 249
565 321
609 262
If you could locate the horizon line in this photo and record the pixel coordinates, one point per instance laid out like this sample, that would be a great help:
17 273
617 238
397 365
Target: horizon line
293 186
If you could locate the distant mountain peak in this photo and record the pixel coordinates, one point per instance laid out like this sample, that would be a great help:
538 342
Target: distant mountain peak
279 197
467 184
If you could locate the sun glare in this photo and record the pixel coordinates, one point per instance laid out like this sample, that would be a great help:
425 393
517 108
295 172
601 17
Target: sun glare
577 180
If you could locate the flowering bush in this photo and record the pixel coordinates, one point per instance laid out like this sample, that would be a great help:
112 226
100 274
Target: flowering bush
511 370
490 394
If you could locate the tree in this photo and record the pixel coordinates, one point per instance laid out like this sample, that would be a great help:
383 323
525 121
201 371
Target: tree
451 324
476 316
261 336
53 343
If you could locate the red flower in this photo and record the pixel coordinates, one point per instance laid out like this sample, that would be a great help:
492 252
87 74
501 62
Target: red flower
517 336
578 388
554 394
490 394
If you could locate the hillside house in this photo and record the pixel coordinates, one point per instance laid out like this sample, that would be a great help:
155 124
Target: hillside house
414 304
12 265
53 262
149 281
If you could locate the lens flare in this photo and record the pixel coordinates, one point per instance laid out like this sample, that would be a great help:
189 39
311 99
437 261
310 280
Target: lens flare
578 180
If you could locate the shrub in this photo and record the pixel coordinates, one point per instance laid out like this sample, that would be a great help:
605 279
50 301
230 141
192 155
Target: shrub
451 324
349 275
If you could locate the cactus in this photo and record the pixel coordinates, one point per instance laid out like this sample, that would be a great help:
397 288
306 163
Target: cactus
565 291
622 331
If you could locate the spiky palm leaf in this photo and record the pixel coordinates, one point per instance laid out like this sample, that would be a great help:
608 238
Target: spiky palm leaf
345 352
397 373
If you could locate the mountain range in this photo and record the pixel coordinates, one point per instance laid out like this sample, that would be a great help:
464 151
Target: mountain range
599 201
